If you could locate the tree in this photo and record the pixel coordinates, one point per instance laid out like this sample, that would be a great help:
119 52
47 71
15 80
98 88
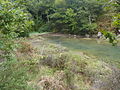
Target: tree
14 19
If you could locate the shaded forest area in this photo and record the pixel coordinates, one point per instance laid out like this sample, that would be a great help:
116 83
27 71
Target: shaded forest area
67 16
75 16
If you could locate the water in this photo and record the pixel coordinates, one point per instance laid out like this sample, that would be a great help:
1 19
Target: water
103 50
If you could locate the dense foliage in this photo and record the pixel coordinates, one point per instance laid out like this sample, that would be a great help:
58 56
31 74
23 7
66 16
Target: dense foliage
14 19
67 16
72 16
19 17
14 22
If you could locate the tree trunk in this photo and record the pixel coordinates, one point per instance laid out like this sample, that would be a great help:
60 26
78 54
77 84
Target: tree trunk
90 21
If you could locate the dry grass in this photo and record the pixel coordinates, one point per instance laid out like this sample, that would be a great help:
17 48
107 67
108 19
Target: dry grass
59 69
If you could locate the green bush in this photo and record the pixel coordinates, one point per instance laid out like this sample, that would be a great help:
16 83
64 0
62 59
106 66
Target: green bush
45 28
89 29
116 20
14 19
57 61
12 75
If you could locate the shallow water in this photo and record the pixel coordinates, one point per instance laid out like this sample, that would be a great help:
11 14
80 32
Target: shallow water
102 50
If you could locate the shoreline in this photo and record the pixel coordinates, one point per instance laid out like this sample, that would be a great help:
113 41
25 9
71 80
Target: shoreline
65 35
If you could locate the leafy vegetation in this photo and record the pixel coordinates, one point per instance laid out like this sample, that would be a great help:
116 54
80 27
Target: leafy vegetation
75 17
110 36
14 19
66 16
14 22
24 67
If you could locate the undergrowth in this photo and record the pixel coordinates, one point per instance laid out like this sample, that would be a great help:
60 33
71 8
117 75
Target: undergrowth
39 65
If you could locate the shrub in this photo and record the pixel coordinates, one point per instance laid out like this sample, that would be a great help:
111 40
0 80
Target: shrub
14 73
57 61
12 76
116 20
89 29
14 19
45 28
